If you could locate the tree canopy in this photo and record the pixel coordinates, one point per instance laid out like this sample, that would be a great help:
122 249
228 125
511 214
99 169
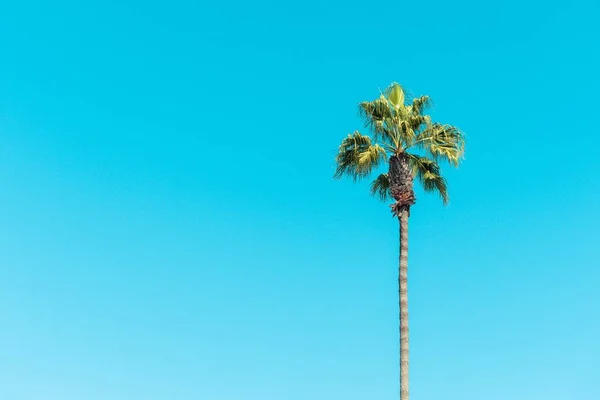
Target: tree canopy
399 126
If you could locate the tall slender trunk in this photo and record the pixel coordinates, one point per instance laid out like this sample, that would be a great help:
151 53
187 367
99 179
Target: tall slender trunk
401 187
403 297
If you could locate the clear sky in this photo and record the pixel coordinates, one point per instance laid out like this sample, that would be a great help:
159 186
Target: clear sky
170 228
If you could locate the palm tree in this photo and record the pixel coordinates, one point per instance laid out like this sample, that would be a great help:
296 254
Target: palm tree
396 127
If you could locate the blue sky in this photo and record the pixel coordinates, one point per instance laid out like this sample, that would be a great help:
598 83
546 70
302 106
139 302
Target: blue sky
170 228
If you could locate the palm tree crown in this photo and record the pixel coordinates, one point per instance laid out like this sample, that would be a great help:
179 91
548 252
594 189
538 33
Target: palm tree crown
396 127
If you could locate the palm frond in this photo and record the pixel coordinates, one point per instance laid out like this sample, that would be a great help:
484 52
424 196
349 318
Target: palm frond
419 104
395 94
380 187
416 122
358 156
442 142
377 116
429 174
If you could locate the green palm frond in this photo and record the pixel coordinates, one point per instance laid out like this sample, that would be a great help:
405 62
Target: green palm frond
428 172
420 104
377 115
380 187
416 123
358 156
395 95
442 142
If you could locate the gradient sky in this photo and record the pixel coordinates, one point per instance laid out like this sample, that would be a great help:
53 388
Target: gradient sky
170 228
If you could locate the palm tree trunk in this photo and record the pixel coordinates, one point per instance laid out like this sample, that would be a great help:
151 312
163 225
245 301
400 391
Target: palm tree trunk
403 297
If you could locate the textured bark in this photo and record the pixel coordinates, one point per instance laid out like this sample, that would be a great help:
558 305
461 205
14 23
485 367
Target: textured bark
403 297
401 183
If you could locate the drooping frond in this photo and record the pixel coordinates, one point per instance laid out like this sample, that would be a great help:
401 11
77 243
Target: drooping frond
442 142
428 172
357 156
416 123
420 104
377 115
380 187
